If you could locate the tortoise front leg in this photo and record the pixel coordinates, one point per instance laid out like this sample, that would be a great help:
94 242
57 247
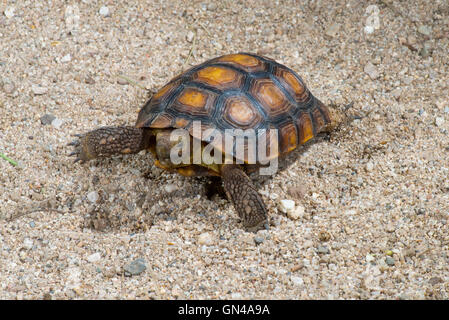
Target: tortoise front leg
247 201
108 141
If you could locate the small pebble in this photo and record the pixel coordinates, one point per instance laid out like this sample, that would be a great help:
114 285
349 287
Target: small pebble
93 196
439 121
420 211
297 213
324 236
72 17
57 123
9 12
190 36
9 87
212 6
379 129
322 250
396 93
389 261
104 11
297 280
89 80
426 50
409 252
205 239
169 188
136 267
259 240
297 267
38 90
286 205
27 243
332 30
369 258
425 30
369 166
66 58
94 257
435 280
47 119
371 70
122 81
236 296
368 29
411 39
32 224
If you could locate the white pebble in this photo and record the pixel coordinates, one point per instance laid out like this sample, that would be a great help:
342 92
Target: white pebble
9 12
332 30
379 128
297 213
169 188
297 280
190 36
92 196
72 17
439 121
57 123
236 295
287 206
66 58
38 90
94 257
371 70
369 166
351 212
205 239
368 29
274 196
104 11
27 243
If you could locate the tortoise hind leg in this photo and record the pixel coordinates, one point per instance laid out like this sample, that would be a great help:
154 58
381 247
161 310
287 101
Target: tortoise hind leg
108 141
241 191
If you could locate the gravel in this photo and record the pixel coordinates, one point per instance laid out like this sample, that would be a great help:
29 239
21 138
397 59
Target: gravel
378 183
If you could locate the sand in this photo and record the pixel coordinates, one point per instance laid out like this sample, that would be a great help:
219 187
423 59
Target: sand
372 200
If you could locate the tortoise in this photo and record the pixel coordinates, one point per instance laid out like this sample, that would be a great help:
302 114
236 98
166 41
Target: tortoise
234 91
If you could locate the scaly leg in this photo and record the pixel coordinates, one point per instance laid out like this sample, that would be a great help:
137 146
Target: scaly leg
243 194
108 141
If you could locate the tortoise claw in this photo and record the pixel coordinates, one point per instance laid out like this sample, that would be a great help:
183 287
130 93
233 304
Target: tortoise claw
77 152
74 143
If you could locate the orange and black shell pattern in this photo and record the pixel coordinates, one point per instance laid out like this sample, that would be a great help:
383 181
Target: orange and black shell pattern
239 91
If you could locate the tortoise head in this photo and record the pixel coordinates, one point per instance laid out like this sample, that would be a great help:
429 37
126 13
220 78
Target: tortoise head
165 145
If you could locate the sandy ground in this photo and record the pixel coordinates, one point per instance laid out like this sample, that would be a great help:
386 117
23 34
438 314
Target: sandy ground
375 195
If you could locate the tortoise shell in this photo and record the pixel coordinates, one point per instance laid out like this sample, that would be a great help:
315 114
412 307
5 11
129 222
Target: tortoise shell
239 91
